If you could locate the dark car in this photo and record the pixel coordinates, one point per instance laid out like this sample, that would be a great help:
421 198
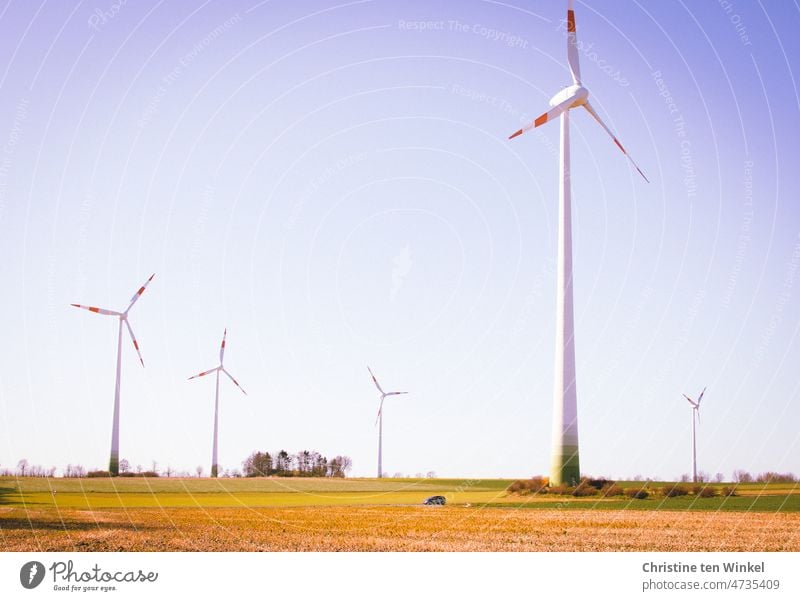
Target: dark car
435 500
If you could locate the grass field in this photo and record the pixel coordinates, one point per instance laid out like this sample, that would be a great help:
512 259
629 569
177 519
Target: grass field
369 514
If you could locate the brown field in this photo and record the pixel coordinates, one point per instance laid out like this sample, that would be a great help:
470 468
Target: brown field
392 528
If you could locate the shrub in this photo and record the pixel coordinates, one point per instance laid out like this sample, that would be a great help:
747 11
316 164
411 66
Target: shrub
584 490
703 491
515 487
675 490
729 491
612 490
598 483
524 487
101 474
636 493
561 489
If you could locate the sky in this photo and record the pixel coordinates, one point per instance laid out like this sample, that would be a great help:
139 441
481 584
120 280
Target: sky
333 183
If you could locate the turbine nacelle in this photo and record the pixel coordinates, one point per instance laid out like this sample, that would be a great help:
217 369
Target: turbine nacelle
576 91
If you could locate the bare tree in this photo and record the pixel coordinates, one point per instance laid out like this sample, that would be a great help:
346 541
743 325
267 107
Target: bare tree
199 471
22 467
124 466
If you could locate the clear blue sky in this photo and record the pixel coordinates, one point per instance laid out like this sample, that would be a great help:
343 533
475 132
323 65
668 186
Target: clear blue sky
333 183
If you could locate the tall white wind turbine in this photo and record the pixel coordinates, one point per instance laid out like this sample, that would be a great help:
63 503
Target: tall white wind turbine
379 420
695 421
217 370
113 464
565 466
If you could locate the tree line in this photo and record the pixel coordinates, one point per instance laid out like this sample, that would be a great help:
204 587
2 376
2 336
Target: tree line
300 464
308 464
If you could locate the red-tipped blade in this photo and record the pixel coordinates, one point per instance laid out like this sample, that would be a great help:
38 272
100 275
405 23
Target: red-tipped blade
380 410
374 379
139 292
204 373
545 117
592 112
572 45
133 339
96 310
232 379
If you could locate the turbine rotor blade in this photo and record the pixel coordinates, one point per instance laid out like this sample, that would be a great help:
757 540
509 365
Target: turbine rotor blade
133 339
700 398
232 379
139 293
572 45
393 393
380 410
374 379
204 373
222 346
545 117
697 413
97 310
690 401
594 114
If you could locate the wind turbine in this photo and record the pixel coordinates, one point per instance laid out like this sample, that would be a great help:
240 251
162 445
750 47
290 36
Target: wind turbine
379 420
695 416
565 467
217 370
113 464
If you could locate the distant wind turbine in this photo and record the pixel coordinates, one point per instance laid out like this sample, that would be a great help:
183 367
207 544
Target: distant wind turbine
113 464
217 370
695 419
379 421
565 466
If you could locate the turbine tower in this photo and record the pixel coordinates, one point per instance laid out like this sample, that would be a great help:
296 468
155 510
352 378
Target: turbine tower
379 421
113 463
217 370
695 420
565 466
